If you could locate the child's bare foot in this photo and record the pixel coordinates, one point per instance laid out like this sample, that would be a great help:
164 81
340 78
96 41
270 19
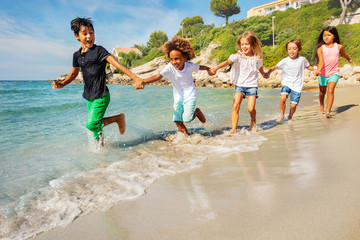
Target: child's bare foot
200 115
120 120
328 115
290 122
280 119
232 132
253 127
321 111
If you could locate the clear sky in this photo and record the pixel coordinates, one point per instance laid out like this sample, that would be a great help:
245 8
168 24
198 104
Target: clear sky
36 42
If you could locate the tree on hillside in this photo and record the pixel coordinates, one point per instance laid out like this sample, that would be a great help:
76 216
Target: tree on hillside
344 6
188 23
128 59
157 39
224 8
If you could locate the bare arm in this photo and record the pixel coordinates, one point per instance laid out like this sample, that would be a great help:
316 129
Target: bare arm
153 78
311 68
69 78
221 65
265 75
321 61
123 69
202 67
270 71
343 54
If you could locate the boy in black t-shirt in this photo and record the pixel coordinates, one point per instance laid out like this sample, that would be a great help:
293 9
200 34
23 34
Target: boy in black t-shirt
92 60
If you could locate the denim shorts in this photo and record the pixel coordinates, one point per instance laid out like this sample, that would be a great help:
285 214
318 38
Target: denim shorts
323 81
247 91
294 96
184 111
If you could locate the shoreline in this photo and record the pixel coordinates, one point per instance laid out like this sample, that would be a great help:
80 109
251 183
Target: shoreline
298 185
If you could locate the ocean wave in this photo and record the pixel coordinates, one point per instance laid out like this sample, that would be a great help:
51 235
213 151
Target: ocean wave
77 194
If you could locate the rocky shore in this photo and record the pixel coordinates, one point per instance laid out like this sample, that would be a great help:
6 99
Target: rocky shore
348 75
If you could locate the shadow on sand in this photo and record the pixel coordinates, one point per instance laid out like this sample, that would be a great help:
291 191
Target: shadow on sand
345 108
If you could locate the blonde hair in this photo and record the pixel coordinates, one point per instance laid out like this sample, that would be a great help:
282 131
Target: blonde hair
253 40
179 44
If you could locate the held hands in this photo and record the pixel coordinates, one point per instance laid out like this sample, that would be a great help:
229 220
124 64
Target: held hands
267 74
139 83
57 85
212 71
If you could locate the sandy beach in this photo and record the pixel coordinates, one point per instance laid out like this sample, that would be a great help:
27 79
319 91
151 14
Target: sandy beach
303 183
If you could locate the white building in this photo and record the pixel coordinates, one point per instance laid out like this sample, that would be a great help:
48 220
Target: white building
278 5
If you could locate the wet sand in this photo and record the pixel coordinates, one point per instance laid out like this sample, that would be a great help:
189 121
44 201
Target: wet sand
303 183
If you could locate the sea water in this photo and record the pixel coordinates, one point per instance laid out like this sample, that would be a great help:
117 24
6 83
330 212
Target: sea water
51 172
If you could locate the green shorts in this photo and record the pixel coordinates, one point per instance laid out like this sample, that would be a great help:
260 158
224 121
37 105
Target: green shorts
323 81
97 108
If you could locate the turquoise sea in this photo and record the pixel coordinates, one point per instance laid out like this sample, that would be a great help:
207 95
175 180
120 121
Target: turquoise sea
51 172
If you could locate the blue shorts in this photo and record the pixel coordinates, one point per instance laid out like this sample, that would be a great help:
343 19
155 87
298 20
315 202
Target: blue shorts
323 81
247 91
294 96
184 111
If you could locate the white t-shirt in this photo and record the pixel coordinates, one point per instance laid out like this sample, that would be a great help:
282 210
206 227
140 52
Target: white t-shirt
182 80
244 72
293 72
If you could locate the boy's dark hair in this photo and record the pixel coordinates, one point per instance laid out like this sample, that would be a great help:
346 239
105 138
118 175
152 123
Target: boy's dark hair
179 44
297 43
320 41
78 22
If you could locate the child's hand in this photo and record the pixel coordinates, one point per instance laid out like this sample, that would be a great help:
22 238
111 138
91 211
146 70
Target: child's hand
139 86
266 75
57 85
138 83
350 61
317 72
212 71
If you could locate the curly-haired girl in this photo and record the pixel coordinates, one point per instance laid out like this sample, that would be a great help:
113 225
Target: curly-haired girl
179 51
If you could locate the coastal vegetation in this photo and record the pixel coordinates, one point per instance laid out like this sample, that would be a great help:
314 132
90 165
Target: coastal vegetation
304 23
224 8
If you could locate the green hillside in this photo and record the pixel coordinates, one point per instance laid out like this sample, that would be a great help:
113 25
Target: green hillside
305 23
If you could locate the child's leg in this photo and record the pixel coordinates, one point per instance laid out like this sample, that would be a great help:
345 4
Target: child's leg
292 110
322 93
198 113
283 98
180 125
190 113
294 101
330 98
238 97
119 119
252 111
178 115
